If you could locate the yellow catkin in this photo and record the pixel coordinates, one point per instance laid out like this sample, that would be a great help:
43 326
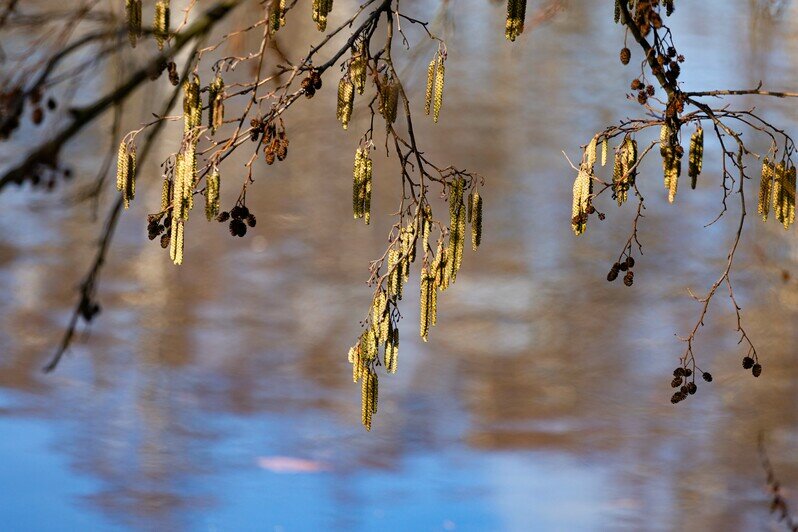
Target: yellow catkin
367 191
121 167
379 316
430 86
321 8
365 401
424 304
765 189
392 349
671 162
277 15
357 68
777 194
357 184
161 22
516 12
212 194
346 98
476 221
389 100
192 105
166 192
604 149
790 193
456 228
374 392
582 189
216 103
439 81
133 12
696 157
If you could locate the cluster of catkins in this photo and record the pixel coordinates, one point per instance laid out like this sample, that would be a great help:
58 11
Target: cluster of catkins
160 25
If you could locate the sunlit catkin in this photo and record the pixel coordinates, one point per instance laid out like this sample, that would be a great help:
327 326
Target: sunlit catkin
765 189
212 194
430 86
346 99
121 166
129 192
439 81
366 401
456 228
778 192
357 68
425 307
516 12
604 149
696 158
321 8
389 100
160 26
392 349
192 105
133 12
216 104
476 221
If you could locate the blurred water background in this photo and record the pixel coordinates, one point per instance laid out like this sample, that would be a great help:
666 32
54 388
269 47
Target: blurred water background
217 396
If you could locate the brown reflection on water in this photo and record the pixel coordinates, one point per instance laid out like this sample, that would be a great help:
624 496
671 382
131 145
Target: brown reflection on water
534 353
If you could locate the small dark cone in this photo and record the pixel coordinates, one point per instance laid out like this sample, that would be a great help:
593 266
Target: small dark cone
675 398
624 266
165 240
676 382
251 221
238 228
223 217
707 376
239 212
629 278
678 372
757 370
612 275
688 372
626 55
630 262
748 363
692 388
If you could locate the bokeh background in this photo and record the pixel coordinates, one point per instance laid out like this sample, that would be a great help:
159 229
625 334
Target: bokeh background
217 395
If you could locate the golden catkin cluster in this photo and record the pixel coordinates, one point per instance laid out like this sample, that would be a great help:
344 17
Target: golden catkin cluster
277 15
605 146
321 8
624 169
212 183
160 25
428 303
696 157
583 189
457 223
389 100
126 172
358 66
778 185
361 185
346 100
192 106
516 12
433 97
671 160
133 13
216 104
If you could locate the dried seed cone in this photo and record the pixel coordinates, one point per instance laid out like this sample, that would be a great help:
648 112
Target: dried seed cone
430 85
765 189
212 195
439 80
476 221
696 158
161 23
133 12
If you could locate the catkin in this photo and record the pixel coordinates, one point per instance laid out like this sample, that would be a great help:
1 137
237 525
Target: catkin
357 68
604 149
476 221
392 349
129 191
671 162
321 8
456 228
765 189
121 166
389 100
277 15
624 169
790 193
212 194
430 85
516 12
166 193
365 399
133 11
216 103
424 299
361 185
439 79
696 158
161 23
192 105
778 192
346 99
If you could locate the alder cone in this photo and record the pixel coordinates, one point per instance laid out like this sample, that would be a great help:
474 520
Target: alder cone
626 55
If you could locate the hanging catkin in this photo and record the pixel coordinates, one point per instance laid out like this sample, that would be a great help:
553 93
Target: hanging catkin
216 104
361 185
121 166
696 158
456 228
166 193
321 8
777 193
516 12
160 27
126 172
439 81
476 221
671 161
212 194
389 99
192 105
346 99
392 349
133 12
424 299
357 68
604 150
765 189
430 86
